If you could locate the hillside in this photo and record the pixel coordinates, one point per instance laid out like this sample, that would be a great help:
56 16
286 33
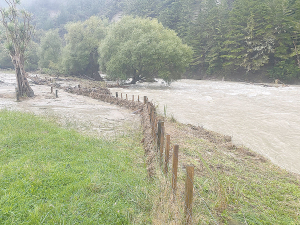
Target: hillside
236 39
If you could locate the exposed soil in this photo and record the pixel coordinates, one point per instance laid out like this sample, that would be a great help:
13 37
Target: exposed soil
70 109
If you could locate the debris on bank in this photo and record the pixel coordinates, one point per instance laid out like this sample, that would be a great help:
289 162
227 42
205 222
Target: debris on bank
95 92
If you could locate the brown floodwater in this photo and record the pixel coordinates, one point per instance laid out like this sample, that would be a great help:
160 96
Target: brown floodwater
264 119
73 111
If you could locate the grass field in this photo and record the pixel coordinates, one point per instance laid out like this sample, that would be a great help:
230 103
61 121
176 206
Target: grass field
50 175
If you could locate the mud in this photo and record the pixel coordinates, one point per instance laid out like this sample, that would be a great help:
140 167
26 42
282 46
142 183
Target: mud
73 108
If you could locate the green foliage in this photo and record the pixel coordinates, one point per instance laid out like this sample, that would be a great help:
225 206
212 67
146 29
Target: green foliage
80 55
50 50
18 27
142 8
285 70
5 60
50 175
226 36
31 57
7 48
207 35
143 49
251 39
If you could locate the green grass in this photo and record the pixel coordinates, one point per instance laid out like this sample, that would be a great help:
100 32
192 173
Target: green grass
50 175
254 192
233 185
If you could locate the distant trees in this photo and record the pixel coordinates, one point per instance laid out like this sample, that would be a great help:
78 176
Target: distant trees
5 60
80 55
55 14
241 37
247 36
143 49
49 50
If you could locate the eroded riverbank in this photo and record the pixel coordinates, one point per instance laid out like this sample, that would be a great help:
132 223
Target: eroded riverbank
265 119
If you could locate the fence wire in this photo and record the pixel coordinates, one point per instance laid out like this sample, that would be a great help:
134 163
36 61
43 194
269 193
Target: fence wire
214 183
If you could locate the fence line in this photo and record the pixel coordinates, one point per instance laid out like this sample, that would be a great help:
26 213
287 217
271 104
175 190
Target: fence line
157 143
158 149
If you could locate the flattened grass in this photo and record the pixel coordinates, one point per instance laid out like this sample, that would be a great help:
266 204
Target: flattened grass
232 185
49 175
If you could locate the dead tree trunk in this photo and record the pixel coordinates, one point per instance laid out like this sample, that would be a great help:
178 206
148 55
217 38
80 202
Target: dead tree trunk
19 32
24 88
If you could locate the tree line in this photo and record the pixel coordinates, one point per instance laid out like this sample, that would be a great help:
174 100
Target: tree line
234 37
241 38
139 49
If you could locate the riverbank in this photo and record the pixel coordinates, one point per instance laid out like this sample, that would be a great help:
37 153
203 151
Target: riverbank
264 119
233 185
242 76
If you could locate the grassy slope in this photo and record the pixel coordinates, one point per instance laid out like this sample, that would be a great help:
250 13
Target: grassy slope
234 185
49 175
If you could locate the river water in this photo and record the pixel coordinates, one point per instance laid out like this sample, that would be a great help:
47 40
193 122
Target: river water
264 119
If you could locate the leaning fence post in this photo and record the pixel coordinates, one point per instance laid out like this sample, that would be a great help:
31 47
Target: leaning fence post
189 186
167 153
145 99
175 168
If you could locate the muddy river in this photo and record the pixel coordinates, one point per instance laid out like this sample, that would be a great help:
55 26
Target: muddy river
265 119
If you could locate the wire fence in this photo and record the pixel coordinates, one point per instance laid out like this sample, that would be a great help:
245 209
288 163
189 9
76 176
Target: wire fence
203 177
205 191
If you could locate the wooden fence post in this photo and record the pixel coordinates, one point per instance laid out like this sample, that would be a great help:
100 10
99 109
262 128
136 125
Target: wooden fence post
133 98
189 187
167 153
126 97
175 168
155 126
161 147
121 95
159 126
152 123
138 98
117 94
145 99
56 93
51 90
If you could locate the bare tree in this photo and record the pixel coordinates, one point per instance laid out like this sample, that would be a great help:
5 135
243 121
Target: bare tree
19 32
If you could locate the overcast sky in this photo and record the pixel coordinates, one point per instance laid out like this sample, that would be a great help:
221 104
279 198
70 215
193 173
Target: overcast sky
24 2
